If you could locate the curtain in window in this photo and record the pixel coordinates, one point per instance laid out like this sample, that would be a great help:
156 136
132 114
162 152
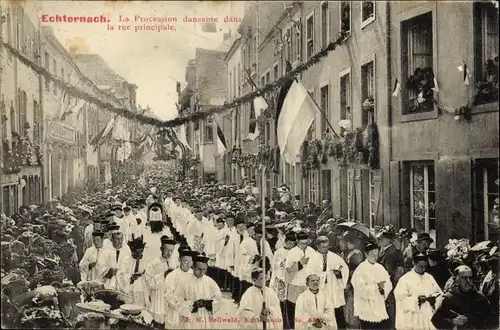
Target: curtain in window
420 44
490 33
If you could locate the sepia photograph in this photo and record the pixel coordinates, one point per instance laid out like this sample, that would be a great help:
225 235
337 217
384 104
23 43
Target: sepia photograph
249 165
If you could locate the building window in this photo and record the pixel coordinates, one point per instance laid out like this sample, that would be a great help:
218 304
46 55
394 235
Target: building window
373 202
423 198
368 93
326 185
325 24
486 52
54 63
268 77
287 40
310 35
417 62
312 187
276 73
311 133
13 127
62 74
262 81
208 134
351 196
367 12
297 50
47 67
325 101
345 16
9 33
486 198
37 122
345 98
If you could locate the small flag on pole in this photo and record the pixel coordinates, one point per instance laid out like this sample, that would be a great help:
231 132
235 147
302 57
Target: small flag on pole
397 88
436 86
221 141
463 68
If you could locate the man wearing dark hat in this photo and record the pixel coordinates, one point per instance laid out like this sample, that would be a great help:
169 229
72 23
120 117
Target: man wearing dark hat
135 268
172 282
334 274
415 296
421 245
372 285
224 257
88 241
93 266
241 272
153 233
120 220
463 307
438 267
297 271
199 297
278 276
156 271
117 278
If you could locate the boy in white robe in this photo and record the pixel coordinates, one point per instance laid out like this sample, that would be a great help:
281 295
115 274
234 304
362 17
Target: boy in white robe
156 271
224 259
371 284
314 308
333 273
199 298
119 254
172 281
153 233
133 273
415 296
94 264
250 312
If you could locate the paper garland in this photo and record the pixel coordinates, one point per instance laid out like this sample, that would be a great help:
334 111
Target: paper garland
79 93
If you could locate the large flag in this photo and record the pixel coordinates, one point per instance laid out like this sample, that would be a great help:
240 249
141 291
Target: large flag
73 109
182 137
259 104
104 134
221 145
295 118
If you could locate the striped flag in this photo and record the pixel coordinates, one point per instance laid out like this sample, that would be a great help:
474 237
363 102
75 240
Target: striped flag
295 117
74 109
104 134
397 88
466 74
221 145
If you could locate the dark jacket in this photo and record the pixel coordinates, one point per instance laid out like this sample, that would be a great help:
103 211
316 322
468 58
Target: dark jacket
472 304
391 258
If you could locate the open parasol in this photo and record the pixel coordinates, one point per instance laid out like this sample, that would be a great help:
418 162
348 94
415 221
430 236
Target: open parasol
356 226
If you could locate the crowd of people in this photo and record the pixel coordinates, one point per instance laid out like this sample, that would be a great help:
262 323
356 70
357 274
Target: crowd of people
168 253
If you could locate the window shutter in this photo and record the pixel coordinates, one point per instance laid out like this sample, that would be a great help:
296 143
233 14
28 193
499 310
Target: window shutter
377 197
395 194
364 193
453 199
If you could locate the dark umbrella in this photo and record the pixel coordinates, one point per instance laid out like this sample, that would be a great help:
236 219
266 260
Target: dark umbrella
356 226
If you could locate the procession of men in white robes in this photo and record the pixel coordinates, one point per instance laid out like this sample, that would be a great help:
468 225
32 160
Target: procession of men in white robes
161 260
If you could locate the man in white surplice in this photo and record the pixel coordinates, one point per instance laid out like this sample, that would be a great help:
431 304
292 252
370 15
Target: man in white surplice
314 308
94 264
415 296
133 271
250 312
372 285
333 273
224 259
296 273
153 233
199 298
172 281
120 252
156 271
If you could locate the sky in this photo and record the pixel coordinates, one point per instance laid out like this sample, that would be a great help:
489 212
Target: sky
152 60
